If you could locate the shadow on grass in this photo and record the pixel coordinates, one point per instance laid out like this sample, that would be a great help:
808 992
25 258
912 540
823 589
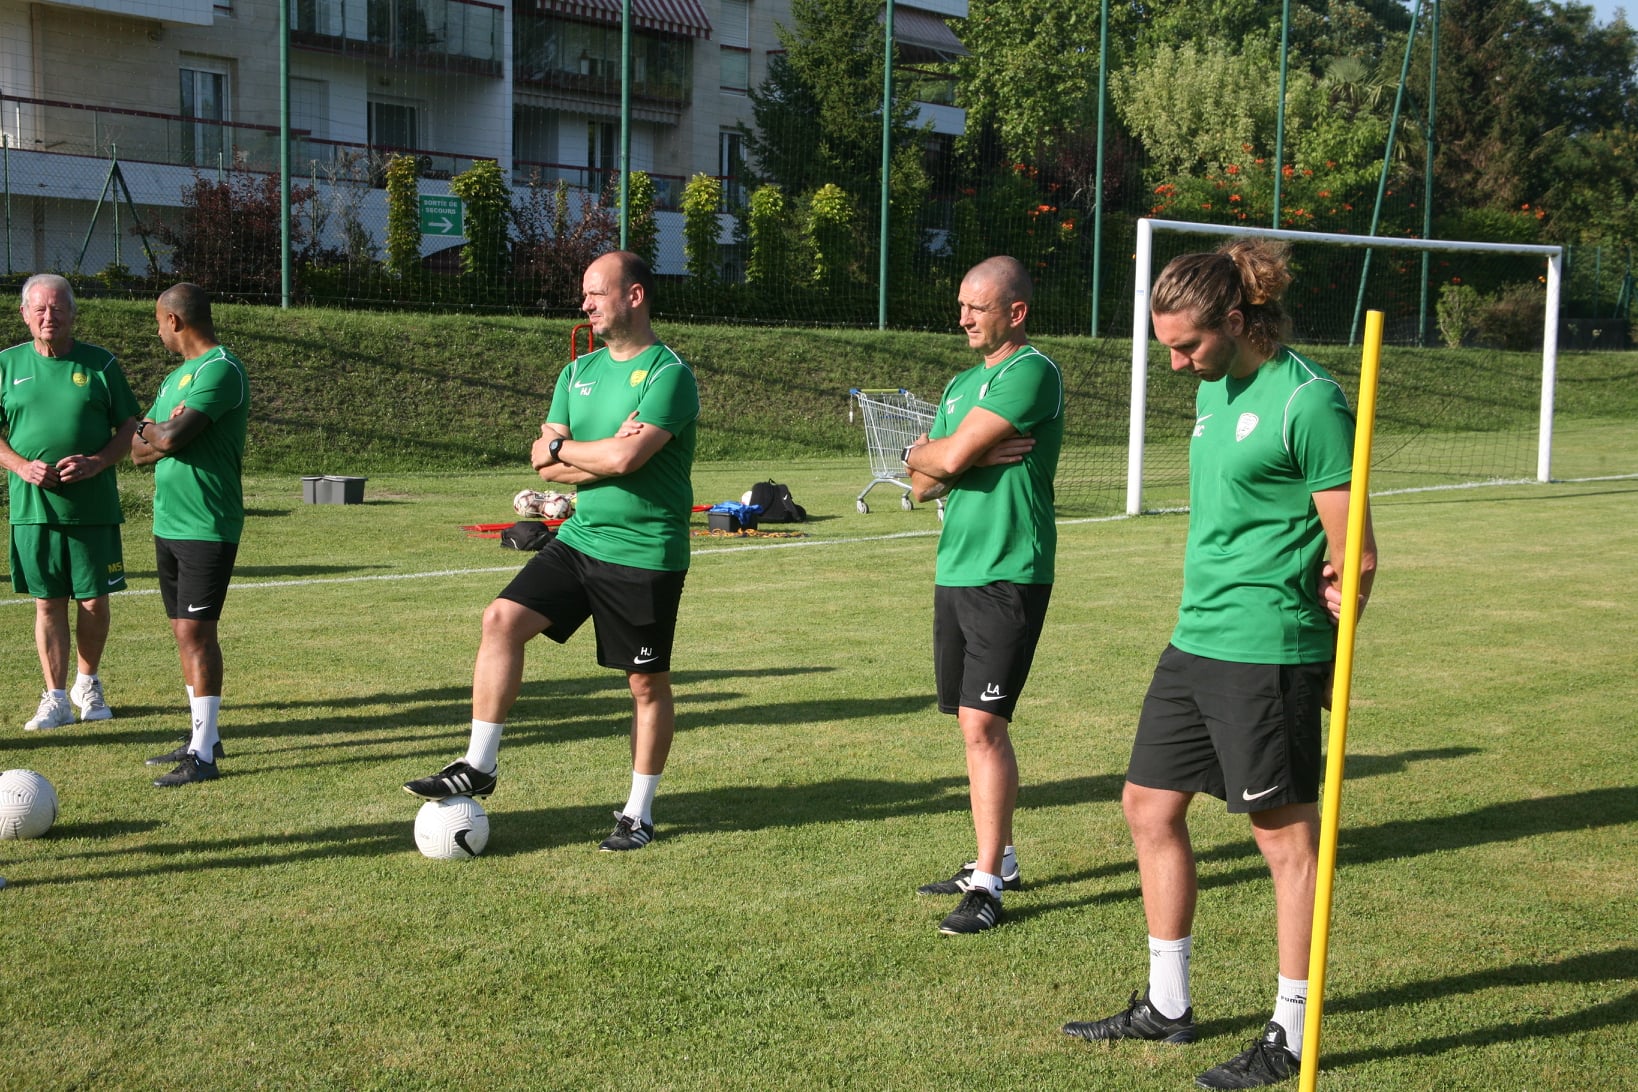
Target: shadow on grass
1617 966
1386 842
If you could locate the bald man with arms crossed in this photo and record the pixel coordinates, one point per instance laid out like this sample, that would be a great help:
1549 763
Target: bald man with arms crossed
991 454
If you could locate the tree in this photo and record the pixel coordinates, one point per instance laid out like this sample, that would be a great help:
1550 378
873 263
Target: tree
1521 85
702 198
227 237
642 229
817 113
556 242
488 205
768 223
403 216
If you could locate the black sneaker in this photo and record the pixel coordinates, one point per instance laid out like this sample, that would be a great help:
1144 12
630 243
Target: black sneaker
956 884
977 911
1266 1061
628 833
456 779
170 757
187 771
1141 1020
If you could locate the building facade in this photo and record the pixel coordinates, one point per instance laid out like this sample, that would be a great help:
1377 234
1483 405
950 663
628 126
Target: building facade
170 89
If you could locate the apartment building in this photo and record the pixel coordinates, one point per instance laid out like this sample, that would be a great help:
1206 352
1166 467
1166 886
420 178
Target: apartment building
175 87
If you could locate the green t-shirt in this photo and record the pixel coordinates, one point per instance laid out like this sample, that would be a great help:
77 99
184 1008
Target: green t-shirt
197 492
638 519
1262 447
60 406
998 520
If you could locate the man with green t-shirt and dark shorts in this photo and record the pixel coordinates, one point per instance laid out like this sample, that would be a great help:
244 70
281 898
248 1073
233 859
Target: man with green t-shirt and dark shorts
621 428
69 417
194 438
1233 708
991 453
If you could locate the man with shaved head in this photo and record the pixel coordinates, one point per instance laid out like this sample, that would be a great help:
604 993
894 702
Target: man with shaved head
991 454
194 438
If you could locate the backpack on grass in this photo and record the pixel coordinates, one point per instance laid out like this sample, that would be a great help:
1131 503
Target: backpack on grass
776 503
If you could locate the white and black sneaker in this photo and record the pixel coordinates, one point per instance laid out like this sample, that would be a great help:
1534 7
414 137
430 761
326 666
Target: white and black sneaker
628 833
1267 1060
978 910
958 883
459 778
170 758
189 771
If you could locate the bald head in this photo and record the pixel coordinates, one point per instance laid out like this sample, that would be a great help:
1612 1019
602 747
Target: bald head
188 302
1006 275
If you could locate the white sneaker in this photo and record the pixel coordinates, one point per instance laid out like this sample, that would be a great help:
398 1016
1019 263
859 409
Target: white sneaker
89 698
53 713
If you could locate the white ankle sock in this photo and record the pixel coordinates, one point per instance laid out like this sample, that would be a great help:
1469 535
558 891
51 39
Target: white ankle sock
987 879
1290 1009
482 753
205 736
1169 976
640 804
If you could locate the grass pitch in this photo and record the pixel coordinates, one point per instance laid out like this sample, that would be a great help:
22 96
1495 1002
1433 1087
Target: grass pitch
277 928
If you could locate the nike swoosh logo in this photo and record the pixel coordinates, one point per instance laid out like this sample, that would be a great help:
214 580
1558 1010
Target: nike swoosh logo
112 580
195 610
25 379
642 660
1247 794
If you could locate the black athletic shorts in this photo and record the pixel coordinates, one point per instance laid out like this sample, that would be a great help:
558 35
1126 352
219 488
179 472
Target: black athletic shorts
1248 734
983 643
193 576
633 611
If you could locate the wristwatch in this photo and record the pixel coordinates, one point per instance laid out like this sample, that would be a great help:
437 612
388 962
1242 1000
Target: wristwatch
553 448
904 456
142 424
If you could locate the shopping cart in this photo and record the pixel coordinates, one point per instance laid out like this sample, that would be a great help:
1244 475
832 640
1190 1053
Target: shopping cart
893 419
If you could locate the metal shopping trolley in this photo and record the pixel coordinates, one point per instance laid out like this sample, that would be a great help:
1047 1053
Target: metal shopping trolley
893 419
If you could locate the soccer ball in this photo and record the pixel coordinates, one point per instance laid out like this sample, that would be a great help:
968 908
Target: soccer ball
28 804
455 829
556 506
527 502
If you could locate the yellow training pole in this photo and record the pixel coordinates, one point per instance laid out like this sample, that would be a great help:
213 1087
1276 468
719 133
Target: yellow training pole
1359 491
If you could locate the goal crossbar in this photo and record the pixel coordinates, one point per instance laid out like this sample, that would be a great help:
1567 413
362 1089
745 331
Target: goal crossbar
1146 228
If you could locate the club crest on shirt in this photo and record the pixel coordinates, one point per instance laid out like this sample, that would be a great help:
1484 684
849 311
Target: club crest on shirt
1244 426
81 379
638 376
186 379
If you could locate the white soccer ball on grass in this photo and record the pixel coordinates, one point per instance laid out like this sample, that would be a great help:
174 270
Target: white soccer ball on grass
455 829
28 804
556 506
527 502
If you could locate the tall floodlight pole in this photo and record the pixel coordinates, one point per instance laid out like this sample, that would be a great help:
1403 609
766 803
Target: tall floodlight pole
887 163
1097 177
1427 172
625 124
284 153
1387 160
1279 113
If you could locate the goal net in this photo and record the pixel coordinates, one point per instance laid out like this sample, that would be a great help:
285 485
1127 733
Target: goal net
1466 384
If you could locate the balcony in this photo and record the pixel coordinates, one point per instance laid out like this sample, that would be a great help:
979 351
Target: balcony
583 60
597 181
68 128
448 35
138 136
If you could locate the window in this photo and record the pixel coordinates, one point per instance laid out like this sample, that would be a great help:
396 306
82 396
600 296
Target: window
734 42
601 140
204 110
392 125
731 166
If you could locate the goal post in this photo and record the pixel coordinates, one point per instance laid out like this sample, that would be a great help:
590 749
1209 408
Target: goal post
1143 277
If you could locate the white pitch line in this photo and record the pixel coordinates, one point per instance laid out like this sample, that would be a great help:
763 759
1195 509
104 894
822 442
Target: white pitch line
782 545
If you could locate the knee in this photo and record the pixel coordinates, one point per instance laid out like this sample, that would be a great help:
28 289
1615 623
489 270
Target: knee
1151 813
503 620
